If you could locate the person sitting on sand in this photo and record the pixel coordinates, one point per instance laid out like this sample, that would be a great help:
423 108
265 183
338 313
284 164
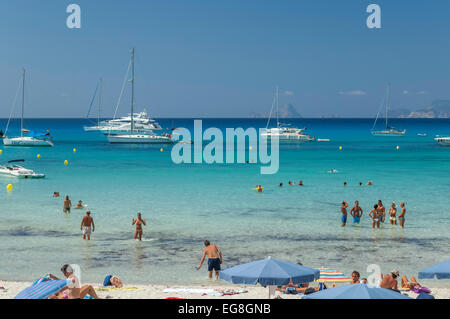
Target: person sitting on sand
401 217
55 194
74 290
375 216
356 213
138 222
390 281
344 213
67 205
215 258
392 212
86 224
79 205
113 281
355 277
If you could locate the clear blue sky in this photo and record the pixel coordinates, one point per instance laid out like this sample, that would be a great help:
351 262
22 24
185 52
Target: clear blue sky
203 58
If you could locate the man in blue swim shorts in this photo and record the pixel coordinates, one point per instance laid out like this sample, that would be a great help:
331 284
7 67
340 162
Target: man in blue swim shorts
356 213
214 258
344 213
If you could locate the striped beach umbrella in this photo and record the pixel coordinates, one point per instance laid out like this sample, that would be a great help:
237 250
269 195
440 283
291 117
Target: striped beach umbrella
331 275
42 289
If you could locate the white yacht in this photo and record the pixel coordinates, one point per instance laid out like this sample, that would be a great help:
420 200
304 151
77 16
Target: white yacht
12 169
32 139
444 141
388 130
283 131
135 135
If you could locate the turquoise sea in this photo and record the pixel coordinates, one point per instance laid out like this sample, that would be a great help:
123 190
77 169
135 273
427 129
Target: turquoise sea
188 203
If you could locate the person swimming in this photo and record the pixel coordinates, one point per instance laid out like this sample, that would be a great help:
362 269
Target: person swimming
79 205
374 214
259 188
345 184
55 194
290 183
300 183
281 184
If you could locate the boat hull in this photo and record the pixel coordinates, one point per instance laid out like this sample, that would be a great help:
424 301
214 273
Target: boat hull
289 138
388 133
27 141
443 141
139 139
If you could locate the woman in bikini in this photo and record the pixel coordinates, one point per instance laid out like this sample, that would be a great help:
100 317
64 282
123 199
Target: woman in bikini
138 222
375 215
392 213
401 217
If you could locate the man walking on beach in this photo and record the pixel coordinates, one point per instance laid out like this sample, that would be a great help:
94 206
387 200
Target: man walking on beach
344 213
214 258
86 223
356 213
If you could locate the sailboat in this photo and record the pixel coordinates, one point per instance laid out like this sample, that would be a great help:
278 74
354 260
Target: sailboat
98 125
283 131
32 139
388 130
133 136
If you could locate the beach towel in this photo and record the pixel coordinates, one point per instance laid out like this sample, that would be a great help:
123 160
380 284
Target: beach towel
42 289
114 288
188 290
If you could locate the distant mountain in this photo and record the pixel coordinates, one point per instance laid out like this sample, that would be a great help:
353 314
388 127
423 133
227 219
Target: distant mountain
437 109
286 111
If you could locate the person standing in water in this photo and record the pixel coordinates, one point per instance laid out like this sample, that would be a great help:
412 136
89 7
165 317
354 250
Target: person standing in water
392 214
375 215
67 205
356 213
138 222
214 258
381 211
401 217
86 223
344 213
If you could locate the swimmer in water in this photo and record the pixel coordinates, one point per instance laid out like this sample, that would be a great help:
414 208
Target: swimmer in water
281 184
345 184
369 183
300 183
374 214
55 194
79 205
392 213
259 188
138 222
290 183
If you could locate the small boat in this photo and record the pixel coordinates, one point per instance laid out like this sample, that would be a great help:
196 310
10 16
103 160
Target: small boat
12 169
388 130
133 134
444 141
421 134
38 139
284 132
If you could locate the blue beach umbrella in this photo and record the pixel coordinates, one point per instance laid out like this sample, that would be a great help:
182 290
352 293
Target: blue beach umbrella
441 271
269 272
42 289
356 291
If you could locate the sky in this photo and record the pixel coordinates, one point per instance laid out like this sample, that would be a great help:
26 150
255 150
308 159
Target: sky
203 58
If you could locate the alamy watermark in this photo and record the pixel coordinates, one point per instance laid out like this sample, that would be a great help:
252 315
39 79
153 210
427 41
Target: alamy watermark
188 150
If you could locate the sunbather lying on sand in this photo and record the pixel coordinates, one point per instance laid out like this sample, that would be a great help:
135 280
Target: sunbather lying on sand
299 288
413 285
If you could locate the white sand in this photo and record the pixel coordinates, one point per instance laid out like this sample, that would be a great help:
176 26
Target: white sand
157 292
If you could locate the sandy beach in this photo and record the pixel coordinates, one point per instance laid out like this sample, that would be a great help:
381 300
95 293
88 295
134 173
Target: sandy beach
12 288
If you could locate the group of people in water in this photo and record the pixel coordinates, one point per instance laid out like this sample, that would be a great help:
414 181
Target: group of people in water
87 226
377 214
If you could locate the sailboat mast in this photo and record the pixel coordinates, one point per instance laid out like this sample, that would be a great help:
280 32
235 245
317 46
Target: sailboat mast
278 122
23 102
99 102
387 102
132 91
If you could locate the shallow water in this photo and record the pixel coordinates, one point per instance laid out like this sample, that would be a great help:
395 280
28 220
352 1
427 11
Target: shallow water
185 204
